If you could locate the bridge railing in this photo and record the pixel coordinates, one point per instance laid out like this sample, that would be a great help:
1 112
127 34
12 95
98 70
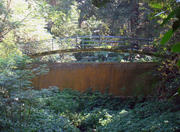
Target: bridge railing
84 42
102 41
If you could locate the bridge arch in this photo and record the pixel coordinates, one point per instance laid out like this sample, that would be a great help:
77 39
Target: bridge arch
74 44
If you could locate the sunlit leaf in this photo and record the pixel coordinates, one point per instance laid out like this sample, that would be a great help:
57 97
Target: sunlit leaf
166 37
176 48
171 15
156 5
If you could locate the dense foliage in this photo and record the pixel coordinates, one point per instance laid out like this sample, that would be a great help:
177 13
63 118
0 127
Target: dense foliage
170 42
51 110
28 26
16 73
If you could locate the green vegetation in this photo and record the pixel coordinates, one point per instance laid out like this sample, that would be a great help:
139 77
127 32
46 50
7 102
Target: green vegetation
71 111
33 26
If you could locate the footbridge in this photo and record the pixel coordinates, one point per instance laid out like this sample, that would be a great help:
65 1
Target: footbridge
120 79
89 44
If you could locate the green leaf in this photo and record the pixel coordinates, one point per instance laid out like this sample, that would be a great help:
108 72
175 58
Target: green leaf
156 5
179 91
178 12
176 48
178 63
175 12
172 14
99 3
166 37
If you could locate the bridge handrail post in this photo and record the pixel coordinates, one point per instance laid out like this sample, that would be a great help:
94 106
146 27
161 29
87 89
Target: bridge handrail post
28 48
52 44
100 41
76 40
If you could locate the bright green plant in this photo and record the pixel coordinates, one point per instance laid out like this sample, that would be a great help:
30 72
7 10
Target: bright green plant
175 14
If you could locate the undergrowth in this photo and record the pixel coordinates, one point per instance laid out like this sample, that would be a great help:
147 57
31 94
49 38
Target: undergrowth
51 110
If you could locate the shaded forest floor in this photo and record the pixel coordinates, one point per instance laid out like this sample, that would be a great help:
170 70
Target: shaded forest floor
51 110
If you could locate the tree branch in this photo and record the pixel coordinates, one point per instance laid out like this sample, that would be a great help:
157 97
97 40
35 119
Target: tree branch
2 34
8 10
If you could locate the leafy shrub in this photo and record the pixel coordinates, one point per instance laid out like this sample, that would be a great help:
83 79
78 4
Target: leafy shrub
81 112
146 117
16 73
52 110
